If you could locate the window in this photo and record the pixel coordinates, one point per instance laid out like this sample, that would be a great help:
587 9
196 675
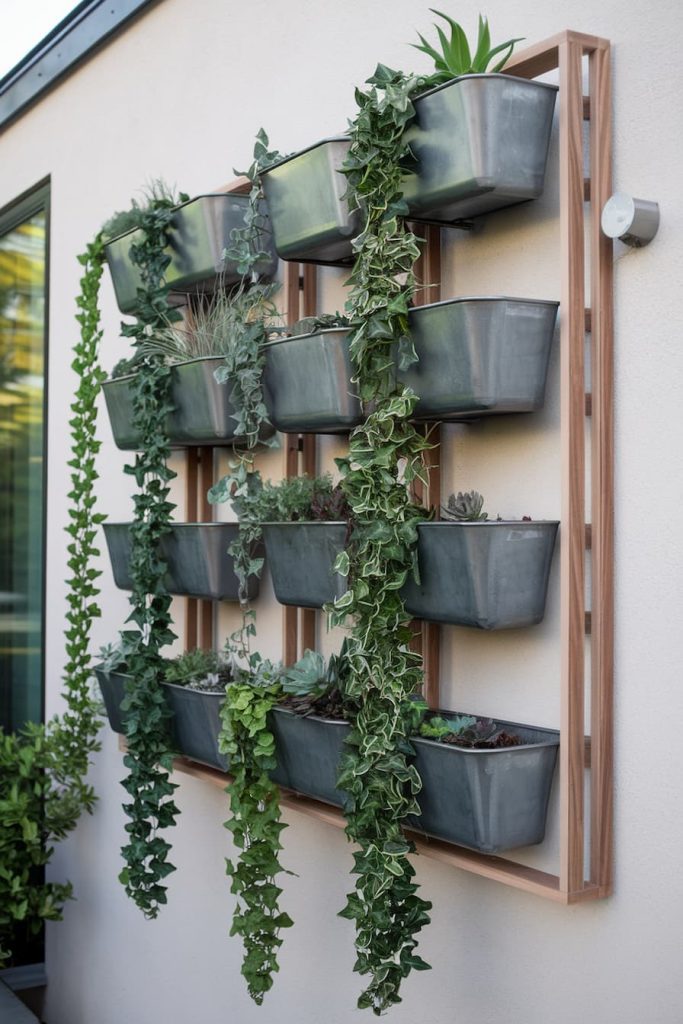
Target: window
23 329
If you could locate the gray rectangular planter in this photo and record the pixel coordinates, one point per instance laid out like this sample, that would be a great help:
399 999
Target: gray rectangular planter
492 575
309 215
487 800
196 717
201 231
480 356
113 687
480 143
300 557
307 383
196 555
196 724
308 749
203 414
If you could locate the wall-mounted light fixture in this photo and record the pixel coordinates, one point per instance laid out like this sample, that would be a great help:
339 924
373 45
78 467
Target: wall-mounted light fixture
632 221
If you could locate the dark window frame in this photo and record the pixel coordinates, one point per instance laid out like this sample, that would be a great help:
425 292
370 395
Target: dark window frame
25 206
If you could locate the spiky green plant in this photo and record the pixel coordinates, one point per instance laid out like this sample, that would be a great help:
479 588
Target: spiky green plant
456 58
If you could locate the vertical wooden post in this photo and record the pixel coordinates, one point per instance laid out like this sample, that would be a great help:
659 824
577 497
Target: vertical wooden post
572 425
290 615
191 604
429 274
207 609
309 458
602 476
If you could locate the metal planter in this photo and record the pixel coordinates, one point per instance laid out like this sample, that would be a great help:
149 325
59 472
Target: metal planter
300 557
491 575
307 383
113 687
480 144
201 230
480 356
196 724
487 800
310 217
308 750
203 414
196 555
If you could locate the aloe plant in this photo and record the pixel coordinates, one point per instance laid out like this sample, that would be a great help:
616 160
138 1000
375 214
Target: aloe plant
456 58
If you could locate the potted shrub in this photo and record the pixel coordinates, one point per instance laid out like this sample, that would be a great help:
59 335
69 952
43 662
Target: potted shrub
194 687
491 574
196 556
479 140
203 352
201 229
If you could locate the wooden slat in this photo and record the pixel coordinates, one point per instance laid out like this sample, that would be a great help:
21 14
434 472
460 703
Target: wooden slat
545 56
290 446
207 609
240 186
602 479
572 396
191 604
497 869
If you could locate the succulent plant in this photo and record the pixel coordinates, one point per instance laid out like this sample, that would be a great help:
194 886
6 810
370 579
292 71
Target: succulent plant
465 507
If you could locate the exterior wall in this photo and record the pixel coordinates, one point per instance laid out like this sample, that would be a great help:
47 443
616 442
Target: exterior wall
181 95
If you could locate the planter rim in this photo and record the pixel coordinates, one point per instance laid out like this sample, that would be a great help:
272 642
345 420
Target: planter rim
484 74
483 298
305 522
176 526
173 366
342 137
202 195
552 741
204 693
309 334
491 522
315 718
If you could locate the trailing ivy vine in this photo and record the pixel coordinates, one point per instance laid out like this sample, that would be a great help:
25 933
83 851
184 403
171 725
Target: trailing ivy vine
245 736
43 767
80 720
255 822
385 457
149 755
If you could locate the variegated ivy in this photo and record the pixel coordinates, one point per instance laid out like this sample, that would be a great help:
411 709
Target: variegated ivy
149 757
385 456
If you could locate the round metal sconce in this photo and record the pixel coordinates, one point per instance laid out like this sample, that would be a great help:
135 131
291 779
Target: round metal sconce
632 221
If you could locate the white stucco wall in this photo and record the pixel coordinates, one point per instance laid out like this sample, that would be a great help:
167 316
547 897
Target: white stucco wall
181 95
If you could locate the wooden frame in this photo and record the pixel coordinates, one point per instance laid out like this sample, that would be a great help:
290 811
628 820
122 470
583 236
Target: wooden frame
574 882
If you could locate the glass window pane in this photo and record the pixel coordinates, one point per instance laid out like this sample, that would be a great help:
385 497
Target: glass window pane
22 352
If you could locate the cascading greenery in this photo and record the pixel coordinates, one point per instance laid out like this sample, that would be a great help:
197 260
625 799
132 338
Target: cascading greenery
255 821
80 720
385 457
149 755
245 736
43 767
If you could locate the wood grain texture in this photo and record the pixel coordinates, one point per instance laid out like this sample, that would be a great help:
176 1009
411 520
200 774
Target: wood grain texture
602 478
497 869
572 428
191 603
